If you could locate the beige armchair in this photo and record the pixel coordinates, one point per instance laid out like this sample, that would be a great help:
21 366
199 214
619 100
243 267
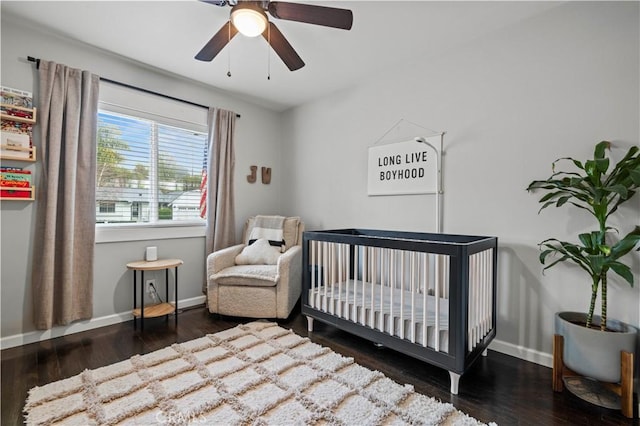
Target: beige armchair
239 283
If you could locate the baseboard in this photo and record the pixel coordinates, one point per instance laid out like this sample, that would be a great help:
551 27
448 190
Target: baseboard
77 327
521 352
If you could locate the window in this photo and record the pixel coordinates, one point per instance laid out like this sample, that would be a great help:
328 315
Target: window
149 166
106 207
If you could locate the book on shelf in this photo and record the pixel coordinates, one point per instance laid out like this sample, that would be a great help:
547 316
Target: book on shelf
16 145
13 177
16 97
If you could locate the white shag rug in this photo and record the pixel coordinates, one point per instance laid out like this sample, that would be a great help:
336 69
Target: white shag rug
254 374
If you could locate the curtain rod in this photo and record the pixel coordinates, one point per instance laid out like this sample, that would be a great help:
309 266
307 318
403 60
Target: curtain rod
129 86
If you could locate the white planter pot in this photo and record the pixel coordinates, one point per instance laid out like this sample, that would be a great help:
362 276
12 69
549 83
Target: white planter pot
591 352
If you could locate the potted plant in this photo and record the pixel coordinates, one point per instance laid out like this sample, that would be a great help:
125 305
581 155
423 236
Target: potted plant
597 188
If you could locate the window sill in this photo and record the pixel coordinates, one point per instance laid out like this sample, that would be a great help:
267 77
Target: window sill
136 232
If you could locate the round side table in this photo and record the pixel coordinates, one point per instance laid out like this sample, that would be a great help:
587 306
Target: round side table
159 309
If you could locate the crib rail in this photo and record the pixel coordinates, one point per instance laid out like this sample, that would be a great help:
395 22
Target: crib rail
413 290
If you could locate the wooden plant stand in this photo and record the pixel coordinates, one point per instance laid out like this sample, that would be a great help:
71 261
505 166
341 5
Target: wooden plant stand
624 389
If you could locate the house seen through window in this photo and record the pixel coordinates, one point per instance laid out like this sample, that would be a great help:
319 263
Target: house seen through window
148 171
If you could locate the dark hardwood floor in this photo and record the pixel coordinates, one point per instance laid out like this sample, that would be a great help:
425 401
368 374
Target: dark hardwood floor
498 388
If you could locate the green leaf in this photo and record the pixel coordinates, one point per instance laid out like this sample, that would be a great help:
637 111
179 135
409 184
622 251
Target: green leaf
550 203
602 164
626 244
600 211
562 259
577 163
549 196
623 270
597 263
600 148
590 168
619 189
586 240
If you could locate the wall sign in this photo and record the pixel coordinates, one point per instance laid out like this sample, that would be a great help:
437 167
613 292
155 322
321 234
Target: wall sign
410 167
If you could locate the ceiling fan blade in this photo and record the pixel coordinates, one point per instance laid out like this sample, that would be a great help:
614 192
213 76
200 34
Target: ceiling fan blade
216 2
282 47
312 14
217 42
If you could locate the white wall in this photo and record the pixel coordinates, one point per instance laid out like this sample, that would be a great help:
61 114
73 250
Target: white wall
257 142
511 103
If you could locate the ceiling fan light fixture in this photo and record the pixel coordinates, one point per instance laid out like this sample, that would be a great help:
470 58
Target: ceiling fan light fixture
248 19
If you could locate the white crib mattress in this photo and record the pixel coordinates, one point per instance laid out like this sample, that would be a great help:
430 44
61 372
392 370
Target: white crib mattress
392 311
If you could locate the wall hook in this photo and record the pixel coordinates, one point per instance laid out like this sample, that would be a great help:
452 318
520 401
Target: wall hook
266 175
253 176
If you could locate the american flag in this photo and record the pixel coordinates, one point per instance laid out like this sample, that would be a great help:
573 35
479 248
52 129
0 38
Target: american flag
203 186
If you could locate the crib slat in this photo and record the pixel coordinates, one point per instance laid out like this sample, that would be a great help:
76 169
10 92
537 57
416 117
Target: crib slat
313 267
320 274
347 263
482 259
402 289
425 293
323 271
337 286
392 285
482 295
317 274
325 262
331 265
472 297
473 285
380 280
490 289
356 272
413 299
436 343
365 257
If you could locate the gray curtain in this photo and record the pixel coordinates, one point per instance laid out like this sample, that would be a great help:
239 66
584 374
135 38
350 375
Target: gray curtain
221 224
62 279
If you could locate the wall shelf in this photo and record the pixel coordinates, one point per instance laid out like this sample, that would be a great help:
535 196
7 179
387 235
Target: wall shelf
30 150
17 116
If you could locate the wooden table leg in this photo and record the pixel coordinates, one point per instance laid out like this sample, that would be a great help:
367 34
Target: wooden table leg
558 363
141 300
166 290
176 297
626 384
134 299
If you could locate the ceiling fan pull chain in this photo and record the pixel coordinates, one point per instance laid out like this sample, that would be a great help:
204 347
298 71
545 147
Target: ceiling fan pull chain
229 51
268 52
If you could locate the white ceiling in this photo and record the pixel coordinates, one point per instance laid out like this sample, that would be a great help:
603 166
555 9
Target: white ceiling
386 36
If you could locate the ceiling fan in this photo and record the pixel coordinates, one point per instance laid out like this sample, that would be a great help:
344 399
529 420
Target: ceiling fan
250 18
